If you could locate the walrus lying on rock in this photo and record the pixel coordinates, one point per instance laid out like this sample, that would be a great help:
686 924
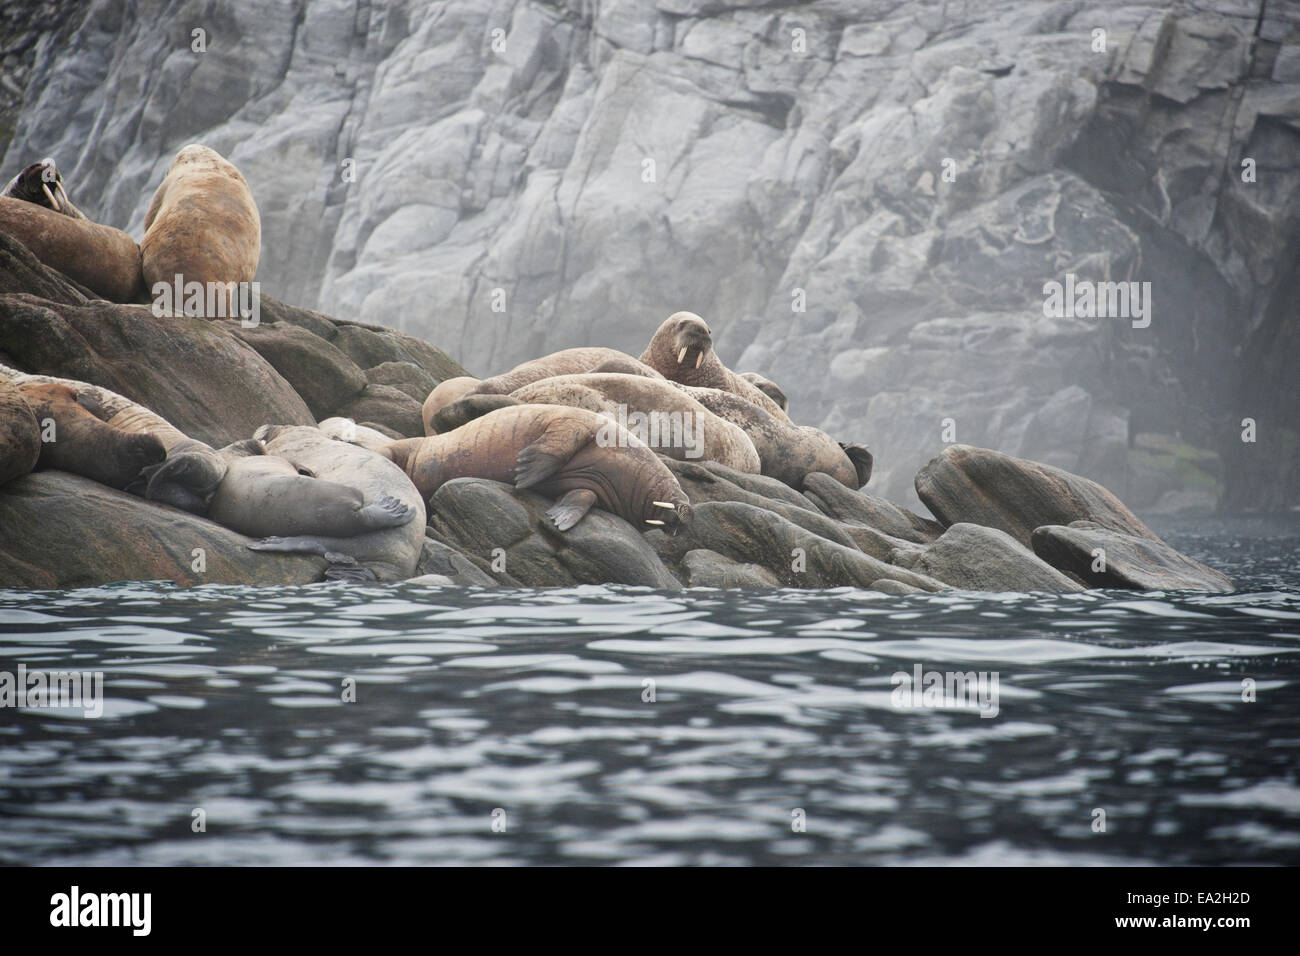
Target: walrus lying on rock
682 350
103 259
577 456
654 410
768 388
74 440
380 541
565 362
42 183
445 393
20 434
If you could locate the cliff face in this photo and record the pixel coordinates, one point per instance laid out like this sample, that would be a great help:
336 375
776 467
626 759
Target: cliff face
864 199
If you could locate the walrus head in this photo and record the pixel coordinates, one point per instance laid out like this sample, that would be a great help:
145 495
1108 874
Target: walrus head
669 513
688 338
450 417
41 183
768 388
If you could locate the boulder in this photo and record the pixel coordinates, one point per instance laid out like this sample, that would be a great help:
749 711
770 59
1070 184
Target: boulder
1110 559
196 374
404 376
747 534
438 559
63 531
476 517
975 558
387 406
976 485
703 568
324 377
369 346
868 510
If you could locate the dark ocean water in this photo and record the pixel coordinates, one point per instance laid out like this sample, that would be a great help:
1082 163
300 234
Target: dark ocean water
513 726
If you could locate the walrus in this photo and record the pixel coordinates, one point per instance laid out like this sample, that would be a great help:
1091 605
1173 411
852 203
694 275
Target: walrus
682 350
345 429
103 259
42 183
263 495
788 452
577 456
387 553
74 440
563 362
656 411
203 226
445 393
768 388
20 434
192 469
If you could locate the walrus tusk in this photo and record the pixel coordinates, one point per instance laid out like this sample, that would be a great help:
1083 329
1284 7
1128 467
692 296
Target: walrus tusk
58 188
50 196
699 358
653 521
681 355
664 504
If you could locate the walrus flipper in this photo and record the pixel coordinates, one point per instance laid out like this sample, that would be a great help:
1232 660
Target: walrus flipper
386 512
570 509
560 441
862 461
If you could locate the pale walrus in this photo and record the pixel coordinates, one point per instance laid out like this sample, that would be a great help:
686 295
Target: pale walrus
656 411
576 456
682 350
768 388
74 440
203 226
789 452
20 434
42 183
388 553
103 259
563 362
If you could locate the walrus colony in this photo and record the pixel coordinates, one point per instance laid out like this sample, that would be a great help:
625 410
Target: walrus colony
585 426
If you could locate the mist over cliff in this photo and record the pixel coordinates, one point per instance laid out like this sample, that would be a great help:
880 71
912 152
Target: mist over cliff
864 199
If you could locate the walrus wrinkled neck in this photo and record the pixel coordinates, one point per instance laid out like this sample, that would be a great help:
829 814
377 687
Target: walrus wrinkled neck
401 452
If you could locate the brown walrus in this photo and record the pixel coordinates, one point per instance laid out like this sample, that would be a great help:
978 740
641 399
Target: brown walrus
42 183
563 362
103 259
656 411
445 393
768 388
20 435
203 226
789 452
579 457
74 440
682 350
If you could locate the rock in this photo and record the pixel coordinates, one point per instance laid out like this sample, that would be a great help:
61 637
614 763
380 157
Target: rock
975 558
369 346
979 486
868 510
798 558
20 434
440 560
1126 560
62 531
323 376
432 580
194 373
887 586
389 407
21 271
476 517
703 568
405 376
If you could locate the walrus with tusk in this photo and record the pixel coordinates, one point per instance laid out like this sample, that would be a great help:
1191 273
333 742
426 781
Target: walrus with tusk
38 184
577 456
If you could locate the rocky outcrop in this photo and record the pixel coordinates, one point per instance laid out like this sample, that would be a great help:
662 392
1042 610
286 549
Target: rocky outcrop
61 531
1109 559
506 179
975 558
984 487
